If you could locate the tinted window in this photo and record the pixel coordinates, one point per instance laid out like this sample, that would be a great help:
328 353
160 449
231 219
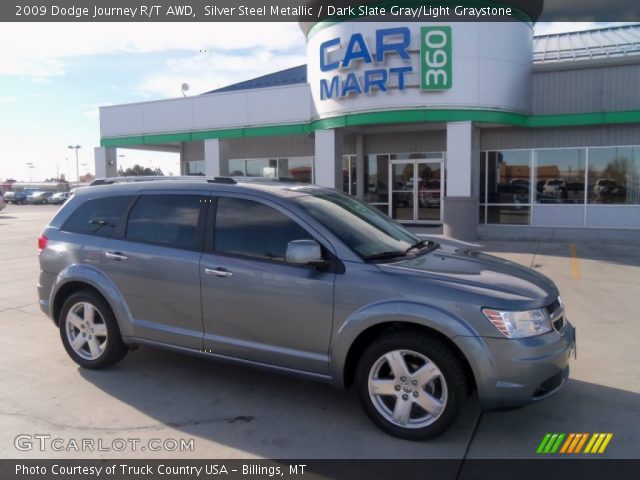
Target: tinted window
365 230
245 227
97 217
170 220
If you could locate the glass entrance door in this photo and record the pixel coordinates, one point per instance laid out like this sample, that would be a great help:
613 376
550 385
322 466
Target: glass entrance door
416 193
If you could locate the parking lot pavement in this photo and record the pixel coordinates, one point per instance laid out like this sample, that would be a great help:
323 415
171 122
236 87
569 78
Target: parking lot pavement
236 412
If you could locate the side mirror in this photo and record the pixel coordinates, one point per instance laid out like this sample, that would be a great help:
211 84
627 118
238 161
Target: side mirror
304 252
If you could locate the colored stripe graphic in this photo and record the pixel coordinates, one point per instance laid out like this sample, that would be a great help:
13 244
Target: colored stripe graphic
552 442
543 443
581 443
607 439
556 445
567 442
576 440
598 443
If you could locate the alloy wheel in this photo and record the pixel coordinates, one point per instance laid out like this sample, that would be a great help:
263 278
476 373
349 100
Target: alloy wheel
86 330
407 389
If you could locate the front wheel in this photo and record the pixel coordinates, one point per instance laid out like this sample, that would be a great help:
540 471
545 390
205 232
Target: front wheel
410 384
89 331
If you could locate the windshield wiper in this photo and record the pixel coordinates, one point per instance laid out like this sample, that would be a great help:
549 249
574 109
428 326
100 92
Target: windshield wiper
420 244
384 255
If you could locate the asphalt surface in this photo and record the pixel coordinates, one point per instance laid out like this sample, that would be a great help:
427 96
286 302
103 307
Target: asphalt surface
154 397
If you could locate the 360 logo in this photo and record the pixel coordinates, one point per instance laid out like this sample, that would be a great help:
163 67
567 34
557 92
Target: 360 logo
573 443
435 58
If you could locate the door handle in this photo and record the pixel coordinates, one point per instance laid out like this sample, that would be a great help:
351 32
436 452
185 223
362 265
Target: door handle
218 272
115 256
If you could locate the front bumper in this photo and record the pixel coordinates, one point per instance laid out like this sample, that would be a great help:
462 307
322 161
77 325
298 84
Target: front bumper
520 371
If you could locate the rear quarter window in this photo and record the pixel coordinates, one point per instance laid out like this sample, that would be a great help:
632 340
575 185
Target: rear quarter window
98 216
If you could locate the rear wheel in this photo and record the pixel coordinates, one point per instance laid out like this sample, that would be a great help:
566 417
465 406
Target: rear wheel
89 331
410 384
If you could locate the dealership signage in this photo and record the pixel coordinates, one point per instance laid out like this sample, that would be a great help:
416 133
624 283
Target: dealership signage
364 67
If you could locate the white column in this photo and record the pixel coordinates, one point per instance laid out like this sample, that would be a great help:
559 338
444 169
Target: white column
461 154
360 180
328 158
106 162
216 158
460 215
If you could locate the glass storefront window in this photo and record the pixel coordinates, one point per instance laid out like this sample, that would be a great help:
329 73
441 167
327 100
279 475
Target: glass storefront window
560 175
349 174
262 167
509 187
377 179
195 167
483 179
299 169
409 156
236 168
508 177
614 175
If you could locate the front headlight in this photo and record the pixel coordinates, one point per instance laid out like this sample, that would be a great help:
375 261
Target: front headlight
519 324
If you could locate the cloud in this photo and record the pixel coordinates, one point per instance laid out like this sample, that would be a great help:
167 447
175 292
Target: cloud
204 72
7 99
32 56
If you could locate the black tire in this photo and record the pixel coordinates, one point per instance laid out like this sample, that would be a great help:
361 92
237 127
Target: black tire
448 388
113 348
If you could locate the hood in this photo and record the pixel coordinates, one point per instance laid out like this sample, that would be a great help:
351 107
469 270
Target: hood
473 270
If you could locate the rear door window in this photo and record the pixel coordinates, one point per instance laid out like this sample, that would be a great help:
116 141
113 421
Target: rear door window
168 220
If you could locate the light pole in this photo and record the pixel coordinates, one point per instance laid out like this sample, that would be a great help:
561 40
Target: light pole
30 166
76 147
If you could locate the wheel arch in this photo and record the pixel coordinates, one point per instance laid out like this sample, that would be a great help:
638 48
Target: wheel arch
367 336
78 277
367 323
68 289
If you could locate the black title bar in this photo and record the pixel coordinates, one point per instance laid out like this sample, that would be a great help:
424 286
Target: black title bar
317 10
121 469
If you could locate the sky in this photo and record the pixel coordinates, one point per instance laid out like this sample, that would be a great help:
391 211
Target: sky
54 76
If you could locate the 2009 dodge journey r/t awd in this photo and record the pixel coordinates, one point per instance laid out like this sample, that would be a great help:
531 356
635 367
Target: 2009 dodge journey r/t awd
305 280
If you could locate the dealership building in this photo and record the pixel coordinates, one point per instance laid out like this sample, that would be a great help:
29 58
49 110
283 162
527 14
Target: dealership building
476 126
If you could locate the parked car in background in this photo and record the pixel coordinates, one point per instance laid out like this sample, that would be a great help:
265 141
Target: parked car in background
39 197
556 188
603 184
609 191
18 197
302 279
59 197
429 193
2 204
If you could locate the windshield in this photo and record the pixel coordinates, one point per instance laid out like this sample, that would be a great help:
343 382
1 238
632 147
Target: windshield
362 228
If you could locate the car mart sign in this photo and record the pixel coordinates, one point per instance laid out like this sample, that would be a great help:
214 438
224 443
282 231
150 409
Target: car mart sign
389 43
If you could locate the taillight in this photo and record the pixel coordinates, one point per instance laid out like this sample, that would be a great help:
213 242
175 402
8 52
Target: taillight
42 242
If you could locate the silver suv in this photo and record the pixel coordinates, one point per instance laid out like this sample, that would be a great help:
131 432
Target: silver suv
303 280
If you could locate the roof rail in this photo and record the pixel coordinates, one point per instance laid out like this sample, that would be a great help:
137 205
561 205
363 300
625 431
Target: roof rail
142 178
192 178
